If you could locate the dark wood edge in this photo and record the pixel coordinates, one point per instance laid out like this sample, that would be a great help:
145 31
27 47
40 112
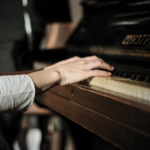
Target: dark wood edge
120 98
109 129
118 108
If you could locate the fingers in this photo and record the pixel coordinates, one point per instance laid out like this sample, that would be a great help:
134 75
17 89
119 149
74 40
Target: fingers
100 73
99 64
63 62
94 63
70 60
77 69
74 58
93 58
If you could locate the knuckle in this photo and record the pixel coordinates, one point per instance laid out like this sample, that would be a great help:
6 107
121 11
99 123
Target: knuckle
76 57
95 57
103 73
108 65
96 72
83 62
100 62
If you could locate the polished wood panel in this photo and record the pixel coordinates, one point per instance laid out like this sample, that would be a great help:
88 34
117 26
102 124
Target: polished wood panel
119 108
119 121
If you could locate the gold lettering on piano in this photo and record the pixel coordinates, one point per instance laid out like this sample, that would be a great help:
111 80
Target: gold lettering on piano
147 39
126 40
133 38
136 39
144 36
139 38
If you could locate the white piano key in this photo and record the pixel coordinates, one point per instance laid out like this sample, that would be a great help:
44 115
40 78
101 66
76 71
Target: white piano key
137 89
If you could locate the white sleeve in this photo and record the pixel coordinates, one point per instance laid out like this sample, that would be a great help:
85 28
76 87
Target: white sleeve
17 93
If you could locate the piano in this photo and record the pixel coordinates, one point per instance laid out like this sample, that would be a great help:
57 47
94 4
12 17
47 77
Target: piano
116 109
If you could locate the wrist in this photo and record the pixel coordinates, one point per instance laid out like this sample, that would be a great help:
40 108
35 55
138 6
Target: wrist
49 79
54 77
44 80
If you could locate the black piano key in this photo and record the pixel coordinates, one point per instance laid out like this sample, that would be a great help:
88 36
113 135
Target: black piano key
120 74
140 78
127 75
147 79
113 72
116 73
133 76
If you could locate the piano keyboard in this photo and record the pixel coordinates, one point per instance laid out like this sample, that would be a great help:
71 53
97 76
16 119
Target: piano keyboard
136 89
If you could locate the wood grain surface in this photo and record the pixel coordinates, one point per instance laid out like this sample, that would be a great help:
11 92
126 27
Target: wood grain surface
107 116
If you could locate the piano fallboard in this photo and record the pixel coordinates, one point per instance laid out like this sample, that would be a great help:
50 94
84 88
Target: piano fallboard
115 118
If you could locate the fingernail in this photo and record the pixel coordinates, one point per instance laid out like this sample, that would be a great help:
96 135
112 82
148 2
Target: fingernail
112 67
109 73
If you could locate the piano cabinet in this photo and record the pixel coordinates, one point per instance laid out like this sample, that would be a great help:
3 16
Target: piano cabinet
113 117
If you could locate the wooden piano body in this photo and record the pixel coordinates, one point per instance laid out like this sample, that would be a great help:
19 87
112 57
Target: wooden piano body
118 32
116 119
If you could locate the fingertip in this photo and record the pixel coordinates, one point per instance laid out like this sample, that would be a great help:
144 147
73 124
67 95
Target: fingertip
106 74
109 73
112 67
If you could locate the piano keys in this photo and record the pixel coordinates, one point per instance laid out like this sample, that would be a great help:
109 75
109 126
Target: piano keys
140 91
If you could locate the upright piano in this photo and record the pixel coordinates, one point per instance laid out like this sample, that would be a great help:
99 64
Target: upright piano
117 31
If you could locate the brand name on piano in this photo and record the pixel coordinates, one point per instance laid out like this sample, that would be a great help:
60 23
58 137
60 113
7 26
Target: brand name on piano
137 39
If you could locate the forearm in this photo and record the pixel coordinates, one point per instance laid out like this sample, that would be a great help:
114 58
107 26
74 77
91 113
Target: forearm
17 92
44 80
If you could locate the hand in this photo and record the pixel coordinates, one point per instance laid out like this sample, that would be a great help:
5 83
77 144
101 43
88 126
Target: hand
77 69
69 71
63 62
